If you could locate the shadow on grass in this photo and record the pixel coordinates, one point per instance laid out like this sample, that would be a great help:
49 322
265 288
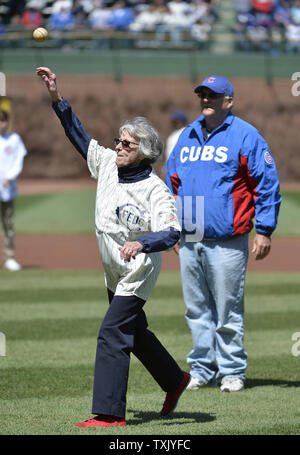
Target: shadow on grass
141 417
251 383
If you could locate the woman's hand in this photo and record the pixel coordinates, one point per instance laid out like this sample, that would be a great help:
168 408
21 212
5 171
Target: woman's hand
130 250
50 81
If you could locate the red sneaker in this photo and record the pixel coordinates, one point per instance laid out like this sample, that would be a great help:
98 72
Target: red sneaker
101 421
173 397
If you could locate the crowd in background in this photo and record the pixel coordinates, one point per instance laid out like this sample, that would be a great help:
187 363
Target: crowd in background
176 16
261 23
258 24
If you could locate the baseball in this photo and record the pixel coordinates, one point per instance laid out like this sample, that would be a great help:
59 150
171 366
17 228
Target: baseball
40 34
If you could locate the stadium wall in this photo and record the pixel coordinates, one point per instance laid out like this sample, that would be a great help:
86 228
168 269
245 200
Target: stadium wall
102 103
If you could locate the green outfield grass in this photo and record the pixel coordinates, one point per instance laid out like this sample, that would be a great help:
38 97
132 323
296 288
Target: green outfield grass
70 212
73 212
51 320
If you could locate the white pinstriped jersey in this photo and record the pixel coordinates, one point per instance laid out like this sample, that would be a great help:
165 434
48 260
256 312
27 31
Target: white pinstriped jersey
125 212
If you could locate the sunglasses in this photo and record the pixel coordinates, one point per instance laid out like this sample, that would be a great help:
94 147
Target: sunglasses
125 144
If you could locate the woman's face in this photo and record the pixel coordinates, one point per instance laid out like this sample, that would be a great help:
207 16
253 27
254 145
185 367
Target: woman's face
127 150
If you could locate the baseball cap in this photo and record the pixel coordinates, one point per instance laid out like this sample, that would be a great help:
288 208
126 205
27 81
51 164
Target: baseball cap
178 116
218 84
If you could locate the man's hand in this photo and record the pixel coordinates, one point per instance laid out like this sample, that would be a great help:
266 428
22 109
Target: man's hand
50 81
261 246
130 250
176 247
6 183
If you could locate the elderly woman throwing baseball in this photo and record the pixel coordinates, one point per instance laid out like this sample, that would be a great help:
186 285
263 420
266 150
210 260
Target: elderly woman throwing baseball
135 220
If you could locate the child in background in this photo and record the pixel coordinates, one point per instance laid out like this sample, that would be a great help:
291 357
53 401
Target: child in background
12 152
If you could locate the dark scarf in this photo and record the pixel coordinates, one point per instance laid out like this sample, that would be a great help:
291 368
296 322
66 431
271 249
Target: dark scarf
134 173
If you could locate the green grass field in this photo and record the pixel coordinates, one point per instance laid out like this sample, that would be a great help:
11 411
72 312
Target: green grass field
51 320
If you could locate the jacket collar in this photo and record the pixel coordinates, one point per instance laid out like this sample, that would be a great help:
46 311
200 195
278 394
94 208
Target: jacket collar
201 121
197 125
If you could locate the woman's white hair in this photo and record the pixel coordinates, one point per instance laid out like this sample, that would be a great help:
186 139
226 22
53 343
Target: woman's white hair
150 142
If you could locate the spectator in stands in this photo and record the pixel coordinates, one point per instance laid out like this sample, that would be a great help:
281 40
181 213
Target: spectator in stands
282 14
295 12
121 16
100 17
212 11
174 18
138 5
242 6
262 6
32 17
178 19
291 25
62 20
3 30
254 27
88 5
200 9
243 21
37 4
59 4
151 18
292 36
200 31
16 8
204 11
180 8
79 13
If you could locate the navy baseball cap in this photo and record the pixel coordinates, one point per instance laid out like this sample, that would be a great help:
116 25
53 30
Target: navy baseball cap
218 84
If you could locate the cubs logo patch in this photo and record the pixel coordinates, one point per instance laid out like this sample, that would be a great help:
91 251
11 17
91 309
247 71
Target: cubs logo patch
211 79
8 150
268 158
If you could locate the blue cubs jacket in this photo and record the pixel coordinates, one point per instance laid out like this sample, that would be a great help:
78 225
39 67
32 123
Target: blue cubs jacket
234 173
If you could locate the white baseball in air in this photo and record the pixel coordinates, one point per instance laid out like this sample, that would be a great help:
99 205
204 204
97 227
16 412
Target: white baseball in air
40 34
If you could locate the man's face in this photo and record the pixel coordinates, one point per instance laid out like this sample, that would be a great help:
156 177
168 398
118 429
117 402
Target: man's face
127 150
213 104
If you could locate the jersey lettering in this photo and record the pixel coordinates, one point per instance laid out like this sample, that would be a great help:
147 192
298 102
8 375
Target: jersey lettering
221 155
183 158
208 153
194 156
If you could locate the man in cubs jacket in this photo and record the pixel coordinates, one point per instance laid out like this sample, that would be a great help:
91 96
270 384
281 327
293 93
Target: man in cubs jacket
222 173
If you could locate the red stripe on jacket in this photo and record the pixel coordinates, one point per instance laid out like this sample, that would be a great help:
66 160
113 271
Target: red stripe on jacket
243 197
175 181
